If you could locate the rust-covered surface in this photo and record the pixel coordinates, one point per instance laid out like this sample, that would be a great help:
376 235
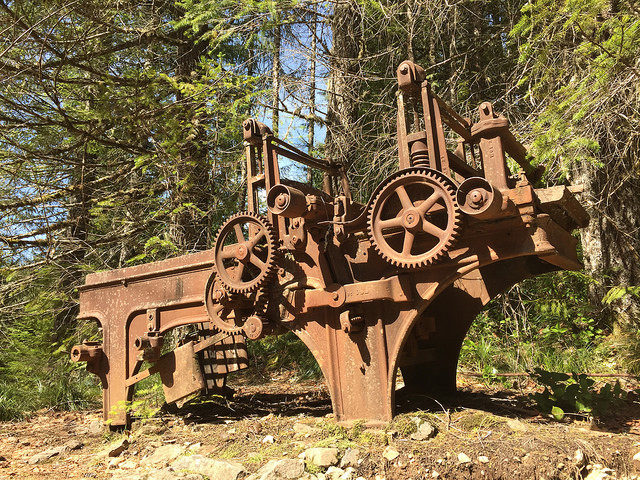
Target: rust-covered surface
369 288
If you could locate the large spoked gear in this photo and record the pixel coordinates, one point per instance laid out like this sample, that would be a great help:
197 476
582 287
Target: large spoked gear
245 253
415 218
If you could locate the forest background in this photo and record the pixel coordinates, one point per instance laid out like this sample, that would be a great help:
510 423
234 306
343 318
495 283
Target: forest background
120 144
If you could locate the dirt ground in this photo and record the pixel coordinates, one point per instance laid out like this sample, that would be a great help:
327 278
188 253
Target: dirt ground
482 433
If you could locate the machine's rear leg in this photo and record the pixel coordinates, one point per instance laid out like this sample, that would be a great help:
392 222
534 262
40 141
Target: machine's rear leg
429 359
433 369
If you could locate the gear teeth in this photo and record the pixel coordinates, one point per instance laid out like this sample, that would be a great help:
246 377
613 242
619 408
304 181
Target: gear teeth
257 290
272 257
454 230
218 322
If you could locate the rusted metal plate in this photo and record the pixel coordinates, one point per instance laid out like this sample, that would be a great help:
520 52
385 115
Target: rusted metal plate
180 373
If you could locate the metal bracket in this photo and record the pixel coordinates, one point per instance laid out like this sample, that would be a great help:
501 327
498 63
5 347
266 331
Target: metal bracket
395 289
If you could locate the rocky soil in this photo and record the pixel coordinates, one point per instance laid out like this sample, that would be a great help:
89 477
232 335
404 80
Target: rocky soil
285 430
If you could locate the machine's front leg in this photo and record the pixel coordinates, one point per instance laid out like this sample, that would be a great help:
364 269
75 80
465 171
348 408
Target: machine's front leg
355 365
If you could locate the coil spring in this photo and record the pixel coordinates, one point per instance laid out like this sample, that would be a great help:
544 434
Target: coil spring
420 159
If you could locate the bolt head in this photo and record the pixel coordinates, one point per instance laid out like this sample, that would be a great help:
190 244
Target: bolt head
218 294
411 219
477 198
282 199
242 252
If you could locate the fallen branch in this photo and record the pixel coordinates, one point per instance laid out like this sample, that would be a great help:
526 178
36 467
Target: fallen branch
525 374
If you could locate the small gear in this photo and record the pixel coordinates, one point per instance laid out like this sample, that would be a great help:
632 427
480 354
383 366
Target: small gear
415 218
224 310
234 313
245 252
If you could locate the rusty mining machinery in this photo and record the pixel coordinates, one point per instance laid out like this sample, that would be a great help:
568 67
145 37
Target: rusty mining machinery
368 288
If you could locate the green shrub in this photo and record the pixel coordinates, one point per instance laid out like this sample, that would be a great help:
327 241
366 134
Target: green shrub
574 393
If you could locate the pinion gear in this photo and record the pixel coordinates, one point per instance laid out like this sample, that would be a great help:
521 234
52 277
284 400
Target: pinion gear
245 253
224 312
229 313
415 218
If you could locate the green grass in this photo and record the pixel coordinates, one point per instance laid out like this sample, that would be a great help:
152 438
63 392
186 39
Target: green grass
492 357
37 383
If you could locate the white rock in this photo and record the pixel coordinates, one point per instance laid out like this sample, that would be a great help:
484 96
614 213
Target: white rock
334 472
114 462
636 457
483 459
163 455
516 425
350 458
348 474
303 429
390 453
600 473
434 474
425 431
218 469
280 469
129 464
167 475
321 457
96 427
463 458
268 439
55 451
71 445
578 458
126 476
42 456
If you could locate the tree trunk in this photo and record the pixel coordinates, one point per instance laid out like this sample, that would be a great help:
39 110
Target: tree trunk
190 226
311 124
275 75
76 240
344 83
611 242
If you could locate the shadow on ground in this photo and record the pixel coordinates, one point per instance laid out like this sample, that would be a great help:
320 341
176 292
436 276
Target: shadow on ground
259 401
